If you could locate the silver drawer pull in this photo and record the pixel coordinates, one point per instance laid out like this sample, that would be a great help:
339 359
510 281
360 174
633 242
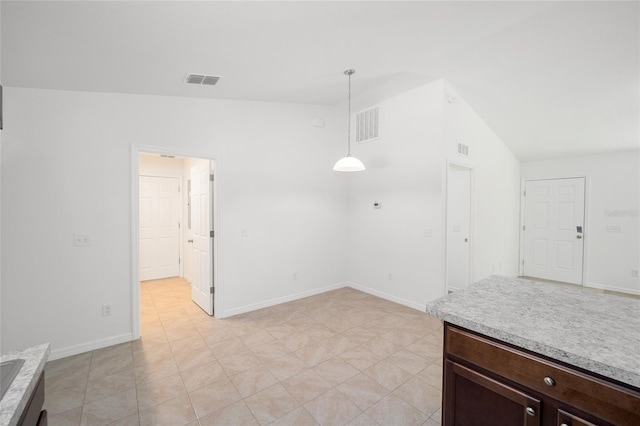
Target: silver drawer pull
549 381
530 411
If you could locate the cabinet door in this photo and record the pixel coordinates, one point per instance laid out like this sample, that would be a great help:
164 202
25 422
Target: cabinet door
473 399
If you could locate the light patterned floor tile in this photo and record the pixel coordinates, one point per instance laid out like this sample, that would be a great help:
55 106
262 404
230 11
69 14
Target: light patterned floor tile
237 414
109 409
213 397
306 386
253 380
177 411
363 391
393 410
159 391
271 404
387 374
298 417
332 408
335 371
188 365
420 395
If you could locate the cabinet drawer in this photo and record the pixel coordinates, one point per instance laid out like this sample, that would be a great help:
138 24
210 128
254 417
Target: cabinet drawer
609 401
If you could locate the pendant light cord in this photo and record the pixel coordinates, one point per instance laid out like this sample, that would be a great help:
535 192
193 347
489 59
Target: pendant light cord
349 72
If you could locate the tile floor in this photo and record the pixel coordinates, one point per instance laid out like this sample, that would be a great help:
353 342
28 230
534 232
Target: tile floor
342 357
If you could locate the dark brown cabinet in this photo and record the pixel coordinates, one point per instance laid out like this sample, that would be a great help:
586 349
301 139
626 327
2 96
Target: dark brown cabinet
33 415
488 382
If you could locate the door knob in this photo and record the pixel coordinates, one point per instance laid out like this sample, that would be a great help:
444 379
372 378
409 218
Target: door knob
189 241
530 411
579 236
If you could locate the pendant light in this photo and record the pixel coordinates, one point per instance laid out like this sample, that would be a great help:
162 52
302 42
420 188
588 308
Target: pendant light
349 163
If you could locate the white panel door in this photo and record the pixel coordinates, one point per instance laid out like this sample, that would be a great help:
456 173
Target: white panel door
458 227
554 229
159 228
201 226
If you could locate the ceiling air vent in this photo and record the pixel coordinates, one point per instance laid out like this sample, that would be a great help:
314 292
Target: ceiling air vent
210 80
368 125
463 149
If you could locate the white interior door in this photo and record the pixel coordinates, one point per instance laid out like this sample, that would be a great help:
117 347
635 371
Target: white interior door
458 227
159 228
554 229
202 246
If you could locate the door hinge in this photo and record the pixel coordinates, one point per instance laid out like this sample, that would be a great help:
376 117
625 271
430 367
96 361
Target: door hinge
522 262
211 177
211 290
178 225
178 261
524 192
212 234
523 227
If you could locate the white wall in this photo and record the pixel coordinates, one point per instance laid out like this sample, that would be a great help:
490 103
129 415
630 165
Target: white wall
496 188
66 168
406 169
404 174
613 192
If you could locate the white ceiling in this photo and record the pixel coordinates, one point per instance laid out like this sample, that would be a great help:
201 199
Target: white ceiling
551 78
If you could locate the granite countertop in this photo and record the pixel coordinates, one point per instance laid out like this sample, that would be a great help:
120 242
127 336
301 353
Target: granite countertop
18 394
594 331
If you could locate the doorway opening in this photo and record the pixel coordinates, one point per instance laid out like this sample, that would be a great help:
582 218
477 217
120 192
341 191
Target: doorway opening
458 227
174 218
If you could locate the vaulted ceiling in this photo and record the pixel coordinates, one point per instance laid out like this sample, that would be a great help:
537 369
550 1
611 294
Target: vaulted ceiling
551 78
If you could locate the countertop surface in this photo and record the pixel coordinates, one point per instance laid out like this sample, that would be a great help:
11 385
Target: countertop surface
594 331
18 394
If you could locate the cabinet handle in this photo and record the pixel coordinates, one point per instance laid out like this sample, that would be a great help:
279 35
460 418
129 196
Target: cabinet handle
530 411
549 382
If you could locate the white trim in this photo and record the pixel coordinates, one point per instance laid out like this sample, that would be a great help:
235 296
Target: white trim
135 232
626 290
89 346
279 300
586 224
387 296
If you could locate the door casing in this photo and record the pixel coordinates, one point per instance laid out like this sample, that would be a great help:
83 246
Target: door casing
135 227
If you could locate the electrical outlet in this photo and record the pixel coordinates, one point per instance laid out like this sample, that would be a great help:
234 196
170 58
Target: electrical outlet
106 310
428 232
635 273
294 276
81 240
243 232
390 276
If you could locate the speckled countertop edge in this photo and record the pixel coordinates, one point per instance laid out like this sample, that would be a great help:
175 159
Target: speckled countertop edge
18 394
593 331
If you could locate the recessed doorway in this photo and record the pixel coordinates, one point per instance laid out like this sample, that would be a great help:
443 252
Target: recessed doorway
174 219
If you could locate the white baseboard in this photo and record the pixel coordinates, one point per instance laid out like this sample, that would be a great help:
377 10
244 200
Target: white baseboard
387 296
89 346
278 300
613 288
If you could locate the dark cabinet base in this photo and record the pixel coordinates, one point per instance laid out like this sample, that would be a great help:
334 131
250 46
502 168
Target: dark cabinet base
33 414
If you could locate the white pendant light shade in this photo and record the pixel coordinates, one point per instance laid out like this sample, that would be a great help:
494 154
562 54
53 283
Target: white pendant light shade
348 164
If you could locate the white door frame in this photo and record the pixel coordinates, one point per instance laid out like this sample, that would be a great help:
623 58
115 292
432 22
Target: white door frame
135 227
587 224
472 219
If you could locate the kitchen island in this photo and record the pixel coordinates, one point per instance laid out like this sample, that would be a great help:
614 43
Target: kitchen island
22 402
539 353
